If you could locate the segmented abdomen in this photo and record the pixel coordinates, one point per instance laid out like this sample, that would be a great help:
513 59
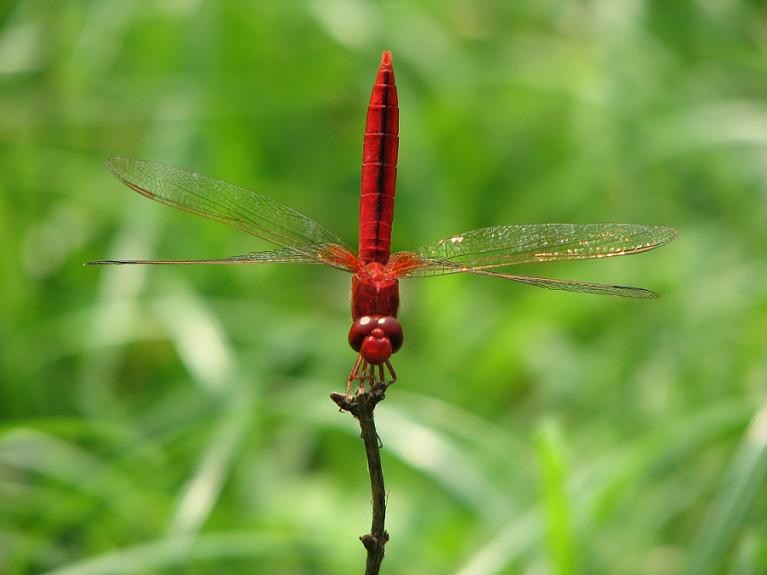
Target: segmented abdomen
379 167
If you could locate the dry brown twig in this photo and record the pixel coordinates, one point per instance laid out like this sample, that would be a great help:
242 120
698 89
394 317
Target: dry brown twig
361 406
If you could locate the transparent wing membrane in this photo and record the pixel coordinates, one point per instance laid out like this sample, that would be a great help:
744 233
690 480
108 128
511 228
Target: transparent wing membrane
241 208
481 250
333 255
574 286
303 240
518 244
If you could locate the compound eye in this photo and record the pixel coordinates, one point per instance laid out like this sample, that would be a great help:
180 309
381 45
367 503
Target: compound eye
360 329
392 330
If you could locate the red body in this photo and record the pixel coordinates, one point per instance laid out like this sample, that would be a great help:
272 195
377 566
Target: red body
379 167
375 332
374 291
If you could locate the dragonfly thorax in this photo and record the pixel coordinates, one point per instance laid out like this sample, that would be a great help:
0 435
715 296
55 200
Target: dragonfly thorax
375 333
374 292
376 338
373 272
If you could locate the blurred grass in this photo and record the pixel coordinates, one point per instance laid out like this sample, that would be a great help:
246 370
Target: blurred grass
177 420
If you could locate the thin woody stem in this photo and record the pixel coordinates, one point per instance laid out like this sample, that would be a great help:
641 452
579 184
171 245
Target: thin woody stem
362 406
374 541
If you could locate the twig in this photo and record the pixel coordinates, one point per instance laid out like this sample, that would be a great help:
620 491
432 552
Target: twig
361 406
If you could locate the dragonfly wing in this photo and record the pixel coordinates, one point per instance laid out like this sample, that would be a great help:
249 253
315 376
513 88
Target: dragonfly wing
574 286
518 244
334 255
241 208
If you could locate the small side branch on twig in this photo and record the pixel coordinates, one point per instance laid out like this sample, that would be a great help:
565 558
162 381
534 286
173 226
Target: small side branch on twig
361 406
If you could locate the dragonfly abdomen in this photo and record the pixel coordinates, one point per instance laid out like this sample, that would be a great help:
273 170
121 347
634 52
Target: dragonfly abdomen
379 167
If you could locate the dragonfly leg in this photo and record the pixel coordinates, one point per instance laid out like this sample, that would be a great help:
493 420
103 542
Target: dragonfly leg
354 374
367 369
366 373
381 375
371 377
391 372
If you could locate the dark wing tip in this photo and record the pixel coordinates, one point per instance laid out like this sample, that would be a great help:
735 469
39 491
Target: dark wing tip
641 293
107 263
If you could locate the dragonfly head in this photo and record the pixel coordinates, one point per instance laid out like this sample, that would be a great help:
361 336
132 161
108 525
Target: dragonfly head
376 338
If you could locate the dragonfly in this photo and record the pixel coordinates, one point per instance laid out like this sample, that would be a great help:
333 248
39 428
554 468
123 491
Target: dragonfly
376 333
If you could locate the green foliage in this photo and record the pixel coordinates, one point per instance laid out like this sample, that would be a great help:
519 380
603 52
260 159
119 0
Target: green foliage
177 420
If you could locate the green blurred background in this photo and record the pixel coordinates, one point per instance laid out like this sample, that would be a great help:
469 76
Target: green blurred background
163 420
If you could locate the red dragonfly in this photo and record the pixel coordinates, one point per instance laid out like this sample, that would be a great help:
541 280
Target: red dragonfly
375 332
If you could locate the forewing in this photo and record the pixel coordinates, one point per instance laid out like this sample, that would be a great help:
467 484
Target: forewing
518 244
334 255
241 208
